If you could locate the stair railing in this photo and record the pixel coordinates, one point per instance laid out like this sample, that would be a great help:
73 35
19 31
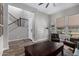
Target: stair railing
18 22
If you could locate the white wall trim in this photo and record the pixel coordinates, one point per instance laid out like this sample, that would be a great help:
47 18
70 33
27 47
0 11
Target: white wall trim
19 39
1 51
5 48
40 40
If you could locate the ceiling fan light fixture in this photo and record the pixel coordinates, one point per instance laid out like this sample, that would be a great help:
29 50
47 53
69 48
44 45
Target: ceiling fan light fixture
40 3
54 4
47 4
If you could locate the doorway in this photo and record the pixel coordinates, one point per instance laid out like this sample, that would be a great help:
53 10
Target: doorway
20 23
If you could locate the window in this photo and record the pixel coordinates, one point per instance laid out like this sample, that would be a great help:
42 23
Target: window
74 21
60 24
73 24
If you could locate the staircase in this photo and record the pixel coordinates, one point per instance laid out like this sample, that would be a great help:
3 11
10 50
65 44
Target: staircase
20 22
18 29
15 26
16 47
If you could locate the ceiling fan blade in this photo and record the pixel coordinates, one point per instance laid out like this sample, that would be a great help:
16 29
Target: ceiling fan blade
54 4
40 3
47 5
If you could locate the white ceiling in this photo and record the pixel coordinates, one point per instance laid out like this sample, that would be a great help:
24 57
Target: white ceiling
51 9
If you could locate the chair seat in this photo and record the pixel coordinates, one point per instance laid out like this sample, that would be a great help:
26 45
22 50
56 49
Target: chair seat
55 40
71 44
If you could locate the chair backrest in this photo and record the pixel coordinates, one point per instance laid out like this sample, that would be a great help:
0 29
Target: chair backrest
74 40
55 35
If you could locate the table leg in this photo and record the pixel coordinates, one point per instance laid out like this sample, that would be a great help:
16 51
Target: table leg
62 52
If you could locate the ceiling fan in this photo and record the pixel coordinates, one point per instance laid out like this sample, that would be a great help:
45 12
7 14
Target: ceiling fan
47 4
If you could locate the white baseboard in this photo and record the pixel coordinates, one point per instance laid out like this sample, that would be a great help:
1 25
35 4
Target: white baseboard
18 39
1 52
6 48
40 40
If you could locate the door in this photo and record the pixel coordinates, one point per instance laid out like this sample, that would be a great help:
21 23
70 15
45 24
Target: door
41 24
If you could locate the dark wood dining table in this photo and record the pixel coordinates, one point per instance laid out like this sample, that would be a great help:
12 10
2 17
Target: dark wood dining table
47 48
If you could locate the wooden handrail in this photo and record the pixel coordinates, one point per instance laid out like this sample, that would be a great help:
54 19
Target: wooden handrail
16 19
12 15
13 22
23 19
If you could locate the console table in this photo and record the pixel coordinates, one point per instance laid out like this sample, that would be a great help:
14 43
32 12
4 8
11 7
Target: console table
47 48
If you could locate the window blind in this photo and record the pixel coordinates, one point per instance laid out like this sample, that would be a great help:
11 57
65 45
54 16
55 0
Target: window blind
73 20
60 22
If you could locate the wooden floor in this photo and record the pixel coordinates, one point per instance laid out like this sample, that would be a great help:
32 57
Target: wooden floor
17 48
